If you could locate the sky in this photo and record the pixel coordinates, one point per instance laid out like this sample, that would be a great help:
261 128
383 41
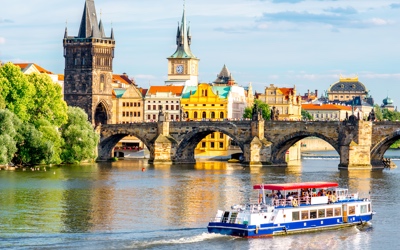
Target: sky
308 44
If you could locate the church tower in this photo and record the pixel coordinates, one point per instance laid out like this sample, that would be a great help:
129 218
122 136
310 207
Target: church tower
88 67
183 65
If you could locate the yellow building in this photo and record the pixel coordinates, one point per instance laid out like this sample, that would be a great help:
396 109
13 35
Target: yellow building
207 102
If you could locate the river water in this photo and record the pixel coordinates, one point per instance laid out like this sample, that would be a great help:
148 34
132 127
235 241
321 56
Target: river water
119 206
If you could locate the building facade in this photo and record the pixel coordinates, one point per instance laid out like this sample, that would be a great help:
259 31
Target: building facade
346 89
88 67
285 102
207 102
328 112
163 98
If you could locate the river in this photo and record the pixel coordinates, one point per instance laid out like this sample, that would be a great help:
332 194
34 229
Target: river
120 206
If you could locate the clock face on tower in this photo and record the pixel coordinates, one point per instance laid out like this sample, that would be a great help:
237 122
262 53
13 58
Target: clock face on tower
179 69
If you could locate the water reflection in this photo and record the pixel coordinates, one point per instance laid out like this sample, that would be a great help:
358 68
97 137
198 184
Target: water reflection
121 197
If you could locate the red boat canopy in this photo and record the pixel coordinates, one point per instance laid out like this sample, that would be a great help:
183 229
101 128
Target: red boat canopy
293 186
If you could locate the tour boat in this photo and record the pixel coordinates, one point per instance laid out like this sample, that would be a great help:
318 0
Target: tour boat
293 208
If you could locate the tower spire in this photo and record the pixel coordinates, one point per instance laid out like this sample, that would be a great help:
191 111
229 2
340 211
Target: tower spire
89 25
183 38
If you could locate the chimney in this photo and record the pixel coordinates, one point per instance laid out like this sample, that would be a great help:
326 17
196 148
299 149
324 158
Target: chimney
316 93
308 93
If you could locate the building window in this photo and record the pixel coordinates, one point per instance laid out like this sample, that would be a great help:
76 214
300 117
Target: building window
204 115
221 115
221 145
148 117
154 117
123 104
212 145
221 135
212 136
138 104
177 107
203 144
123 114
212 115
138 114
166 107
154 107
172 117
195 115
149 107
172 107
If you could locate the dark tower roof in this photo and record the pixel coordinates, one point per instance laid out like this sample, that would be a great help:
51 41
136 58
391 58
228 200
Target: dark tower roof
89 27
183 40
225 77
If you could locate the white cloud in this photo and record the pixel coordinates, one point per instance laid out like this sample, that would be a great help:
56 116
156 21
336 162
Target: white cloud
379 21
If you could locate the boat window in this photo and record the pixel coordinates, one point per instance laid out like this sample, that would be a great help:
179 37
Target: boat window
363 209
225 218
329 212
233 217
321 213
313 214
295 216
369 207
338 211
304 215
352 210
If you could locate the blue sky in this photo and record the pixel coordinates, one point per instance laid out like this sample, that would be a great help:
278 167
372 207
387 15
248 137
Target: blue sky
304 43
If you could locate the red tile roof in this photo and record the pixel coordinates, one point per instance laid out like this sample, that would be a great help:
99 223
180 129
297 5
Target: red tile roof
122 79
177 90
324 107
25 65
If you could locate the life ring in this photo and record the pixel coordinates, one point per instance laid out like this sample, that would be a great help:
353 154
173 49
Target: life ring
333 198
294 203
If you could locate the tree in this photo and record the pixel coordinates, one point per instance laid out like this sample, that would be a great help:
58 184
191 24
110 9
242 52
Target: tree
390 115
265 110
16 91
305 115
47 100
8 144
378 113
79 137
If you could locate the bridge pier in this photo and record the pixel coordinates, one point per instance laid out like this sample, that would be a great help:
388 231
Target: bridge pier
257 152
164 145
356 145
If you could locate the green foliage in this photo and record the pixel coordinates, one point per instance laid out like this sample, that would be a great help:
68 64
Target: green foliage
80 138
47 101
8 144
16 91
266 112
378 113
305 115
390 115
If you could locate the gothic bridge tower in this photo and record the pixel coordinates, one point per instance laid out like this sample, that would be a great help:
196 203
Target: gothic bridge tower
89 66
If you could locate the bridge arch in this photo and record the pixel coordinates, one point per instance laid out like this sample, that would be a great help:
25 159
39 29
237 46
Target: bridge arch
279 148
186 149
107 144
102 113
379 149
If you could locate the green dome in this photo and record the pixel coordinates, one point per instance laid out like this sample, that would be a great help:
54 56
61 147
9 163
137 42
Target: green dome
387 101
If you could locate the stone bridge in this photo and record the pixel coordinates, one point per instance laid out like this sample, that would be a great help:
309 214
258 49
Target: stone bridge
360 144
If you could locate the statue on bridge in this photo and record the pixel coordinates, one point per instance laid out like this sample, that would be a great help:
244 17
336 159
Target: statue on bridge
274 114
161 115
371 116
257 113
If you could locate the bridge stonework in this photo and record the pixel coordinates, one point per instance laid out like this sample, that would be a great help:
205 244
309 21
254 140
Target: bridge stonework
360 144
